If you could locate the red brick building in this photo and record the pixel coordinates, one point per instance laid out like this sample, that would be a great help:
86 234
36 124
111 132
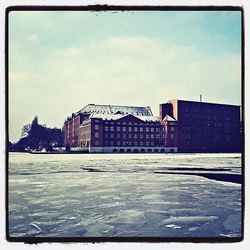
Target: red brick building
185 126
169 131
110 128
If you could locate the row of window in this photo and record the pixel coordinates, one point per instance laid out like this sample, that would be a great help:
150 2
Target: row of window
130 136
189 124
130 123
130 129
127 143
126 123
208 109
226 117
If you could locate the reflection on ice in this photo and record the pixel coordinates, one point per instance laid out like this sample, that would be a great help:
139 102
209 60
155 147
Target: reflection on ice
122 195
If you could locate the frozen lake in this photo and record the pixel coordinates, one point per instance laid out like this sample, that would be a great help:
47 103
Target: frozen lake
125 195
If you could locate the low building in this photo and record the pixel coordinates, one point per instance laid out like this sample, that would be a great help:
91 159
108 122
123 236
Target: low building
203 127
112 128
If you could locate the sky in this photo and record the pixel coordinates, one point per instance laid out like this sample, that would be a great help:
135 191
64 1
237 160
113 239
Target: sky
60 61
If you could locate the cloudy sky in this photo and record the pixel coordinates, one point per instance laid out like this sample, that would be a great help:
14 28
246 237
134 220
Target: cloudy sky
61 61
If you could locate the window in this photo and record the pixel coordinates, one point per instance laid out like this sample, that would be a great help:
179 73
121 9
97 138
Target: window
96 134
218 124
111 143
96 143
112 128
118 143
111 135
171 136
106 135
152 143
147 129
135 143
141 143
172 129
141 129
152 129
130 143
135 129
157 129
124 136
118 136
129 136
135 136
141 136
96 126
129 129
207 117
124 143
152 136
147 136
106 128
123 129
147 143
118 129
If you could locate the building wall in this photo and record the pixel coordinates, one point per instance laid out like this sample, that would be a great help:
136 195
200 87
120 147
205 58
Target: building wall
71 131
84 139
170 133
97 131
126 132
174 104
207 127
130 131
198 127
65 129
165 109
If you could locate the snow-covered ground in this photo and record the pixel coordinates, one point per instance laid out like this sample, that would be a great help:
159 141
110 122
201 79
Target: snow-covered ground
124 195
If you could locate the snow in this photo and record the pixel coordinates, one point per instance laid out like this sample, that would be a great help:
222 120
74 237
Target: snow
51 195
119 116
112 109
169 118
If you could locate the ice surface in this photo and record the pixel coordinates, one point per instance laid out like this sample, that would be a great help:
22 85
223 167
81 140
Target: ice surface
55 196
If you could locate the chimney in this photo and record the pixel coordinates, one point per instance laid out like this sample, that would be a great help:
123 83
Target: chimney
200 98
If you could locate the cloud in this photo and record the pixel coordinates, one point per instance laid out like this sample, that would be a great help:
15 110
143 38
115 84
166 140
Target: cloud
134 70
32 38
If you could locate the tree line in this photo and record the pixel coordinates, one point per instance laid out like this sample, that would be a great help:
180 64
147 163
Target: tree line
35 136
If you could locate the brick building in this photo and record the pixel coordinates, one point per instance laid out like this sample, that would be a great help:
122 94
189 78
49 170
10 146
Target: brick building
169 131
110 128
203 127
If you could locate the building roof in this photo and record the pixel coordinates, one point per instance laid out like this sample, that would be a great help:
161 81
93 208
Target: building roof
116 109
202 102
169 118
